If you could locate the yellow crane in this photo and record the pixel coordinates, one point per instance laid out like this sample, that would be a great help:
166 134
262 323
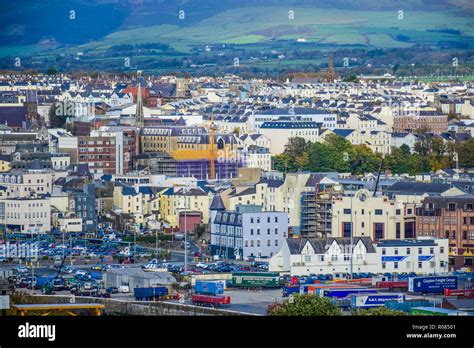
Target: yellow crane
212 150
194 154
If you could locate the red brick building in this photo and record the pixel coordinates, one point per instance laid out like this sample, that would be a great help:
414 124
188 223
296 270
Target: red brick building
106 152
436 123
452 218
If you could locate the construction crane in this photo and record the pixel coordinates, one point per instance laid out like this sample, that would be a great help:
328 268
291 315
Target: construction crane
212 150
208 154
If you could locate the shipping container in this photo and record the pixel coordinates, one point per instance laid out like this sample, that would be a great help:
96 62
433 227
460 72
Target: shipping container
341 293
209 287
375 300
436 311
256 279
148 294
432 284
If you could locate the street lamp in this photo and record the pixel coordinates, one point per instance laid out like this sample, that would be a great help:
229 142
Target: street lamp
185 235
352 233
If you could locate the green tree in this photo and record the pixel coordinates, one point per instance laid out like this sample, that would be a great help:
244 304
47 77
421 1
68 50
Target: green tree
378 311
465 152
365 160
55 120
305 305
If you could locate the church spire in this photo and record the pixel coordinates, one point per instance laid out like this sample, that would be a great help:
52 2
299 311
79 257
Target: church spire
330 74
139 118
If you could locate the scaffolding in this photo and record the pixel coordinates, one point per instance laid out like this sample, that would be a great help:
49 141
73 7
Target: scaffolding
316 212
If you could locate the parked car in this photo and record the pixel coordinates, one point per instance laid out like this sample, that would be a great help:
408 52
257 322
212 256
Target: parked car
20 269
123 289
112 290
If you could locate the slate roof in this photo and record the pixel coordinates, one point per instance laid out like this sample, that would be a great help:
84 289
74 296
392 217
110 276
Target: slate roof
320 245
410 187
217 203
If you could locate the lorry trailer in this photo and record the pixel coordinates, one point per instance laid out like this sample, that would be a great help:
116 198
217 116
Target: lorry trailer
432 284
256 279
375 300
341 293
391 285
209 300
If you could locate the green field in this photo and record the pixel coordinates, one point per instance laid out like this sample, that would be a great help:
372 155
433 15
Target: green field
378 29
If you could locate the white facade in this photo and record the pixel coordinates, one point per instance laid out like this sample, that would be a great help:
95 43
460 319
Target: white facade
32 215
393 256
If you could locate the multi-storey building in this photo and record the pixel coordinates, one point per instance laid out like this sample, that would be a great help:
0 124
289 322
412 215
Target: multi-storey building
452 218
246 232
375 217
106 152
431 120
30 215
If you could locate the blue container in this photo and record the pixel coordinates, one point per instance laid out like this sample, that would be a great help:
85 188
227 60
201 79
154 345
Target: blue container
209 287
288 290
341 293
149 293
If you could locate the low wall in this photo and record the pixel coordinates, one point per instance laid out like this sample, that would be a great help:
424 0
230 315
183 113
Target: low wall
117 307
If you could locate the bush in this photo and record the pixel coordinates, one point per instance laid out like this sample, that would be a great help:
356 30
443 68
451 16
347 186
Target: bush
380 311
304 305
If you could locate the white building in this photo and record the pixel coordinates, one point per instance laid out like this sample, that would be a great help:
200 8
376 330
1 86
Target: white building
332 256
281 131
246 232
325 118
26 215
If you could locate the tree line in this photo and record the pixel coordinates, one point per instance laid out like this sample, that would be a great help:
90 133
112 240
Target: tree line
338 154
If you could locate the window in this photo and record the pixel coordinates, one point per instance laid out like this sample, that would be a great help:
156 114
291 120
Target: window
251 220
268 231
409 211
258 220
384 265
420 250
321 258
347 211
307 258
276 242
276 230
268 219
251 232
362 224
451 206
258 231
408 251
396 251
395 265
397 212
397 230
276 218
441 250
251 243
258 242
378 212
346 257
378 227
346 229
384 251
420 265
268 242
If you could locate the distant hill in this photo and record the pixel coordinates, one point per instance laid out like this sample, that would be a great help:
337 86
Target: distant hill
185 34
